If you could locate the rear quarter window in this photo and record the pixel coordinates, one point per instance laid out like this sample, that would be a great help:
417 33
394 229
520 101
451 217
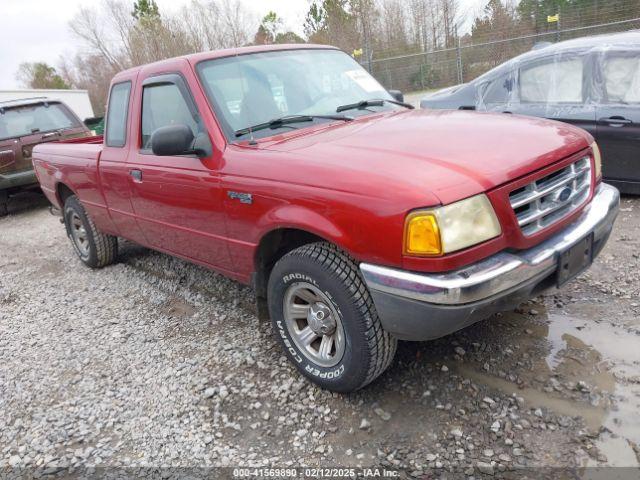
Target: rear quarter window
117 113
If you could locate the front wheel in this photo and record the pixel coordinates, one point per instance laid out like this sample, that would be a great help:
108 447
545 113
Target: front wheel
94 248
324 317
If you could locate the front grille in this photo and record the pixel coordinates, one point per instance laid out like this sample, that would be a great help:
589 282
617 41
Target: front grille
549 199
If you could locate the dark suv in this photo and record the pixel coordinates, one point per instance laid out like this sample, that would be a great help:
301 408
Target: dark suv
23 124
591 82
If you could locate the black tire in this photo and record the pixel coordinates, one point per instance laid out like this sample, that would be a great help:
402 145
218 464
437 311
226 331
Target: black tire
368 349
100 249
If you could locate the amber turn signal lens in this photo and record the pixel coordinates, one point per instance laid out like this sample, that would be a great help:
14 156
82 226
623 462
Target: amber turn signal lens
422 235
597 159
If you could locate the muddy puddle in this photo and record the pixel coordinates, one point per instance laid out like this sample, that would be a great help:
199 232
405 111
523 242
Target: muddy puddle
591 369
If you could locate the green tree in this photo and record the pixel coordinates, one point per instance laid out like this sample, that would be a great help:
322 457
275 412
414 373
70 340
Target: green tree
145 9
315 21
497 22
534 12
269 28
333 22
40 75
289 37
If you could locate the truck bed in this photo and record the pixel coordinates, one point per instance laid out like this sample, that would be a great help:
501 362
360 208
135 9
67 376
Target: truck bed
75 159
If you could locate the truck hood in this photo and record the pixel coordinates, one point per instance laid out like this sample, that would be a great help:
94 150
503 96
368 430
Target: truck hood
450 154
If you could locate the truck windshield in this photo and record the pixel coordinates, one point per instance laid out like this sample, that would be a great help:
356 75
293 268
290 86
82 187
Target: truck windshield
252 89
25 120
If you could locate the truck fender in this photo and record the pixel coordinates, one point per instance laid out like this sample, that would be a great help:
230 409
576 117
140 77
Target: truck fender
301 218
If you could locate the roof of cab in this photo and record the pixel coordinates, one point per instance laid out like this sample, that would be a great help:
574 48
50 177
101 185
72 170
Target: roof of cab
229 52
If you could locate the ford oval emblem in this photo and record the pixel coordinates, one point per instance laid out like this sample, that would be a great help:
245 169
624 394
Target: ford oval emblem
565 194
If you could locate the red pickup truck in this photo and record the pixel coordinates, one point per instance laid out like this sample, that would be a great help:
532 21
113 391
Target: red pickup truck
357 219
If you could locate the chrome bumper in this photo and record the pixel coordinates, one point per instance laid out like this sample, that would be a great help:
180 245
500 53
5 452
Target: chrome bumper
496 276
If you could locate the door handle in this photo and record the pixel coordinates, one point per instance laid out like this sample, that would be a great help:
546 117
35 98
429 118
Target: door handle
616 121
136 175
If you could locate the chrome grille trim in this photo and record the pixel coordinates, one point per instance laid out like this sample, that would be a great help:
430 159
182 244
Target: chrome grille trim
549 199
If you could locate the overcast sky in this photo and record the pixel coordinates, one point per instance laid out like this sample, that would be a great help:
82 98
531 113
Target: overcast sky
38 30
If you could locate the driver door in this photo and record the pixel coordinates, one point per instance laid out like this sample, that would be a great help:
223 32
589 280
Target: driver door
177 199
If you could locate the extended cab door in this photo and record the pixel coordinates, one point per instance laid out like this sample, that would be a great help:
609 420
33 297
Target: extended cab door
618 131
177 199
557 87
114 176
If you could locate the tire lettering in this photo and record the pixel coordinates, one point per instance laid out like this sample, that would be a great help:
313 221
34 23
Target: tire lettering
330 375
287 343
298 276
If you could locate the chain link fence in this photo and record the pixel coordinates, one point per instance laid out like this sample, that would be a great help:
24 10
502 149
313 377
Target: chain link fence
422 72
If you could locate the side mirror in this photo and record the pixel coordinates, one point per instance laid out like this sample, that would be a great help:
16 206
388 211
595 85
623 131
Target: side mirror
172 140
397 95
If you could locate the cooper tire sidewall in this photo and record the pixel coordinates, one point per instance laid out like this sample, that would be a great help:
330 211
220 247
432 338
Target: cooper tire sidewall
350 372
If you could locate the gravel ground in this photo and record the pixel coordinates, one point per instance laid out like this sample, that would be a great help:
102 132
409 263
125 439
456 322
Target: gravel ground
156 362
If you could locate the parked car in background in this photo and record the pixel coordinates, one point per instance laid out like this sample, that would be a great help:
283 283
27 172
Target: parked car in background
77 101
357 219
24 124
591 82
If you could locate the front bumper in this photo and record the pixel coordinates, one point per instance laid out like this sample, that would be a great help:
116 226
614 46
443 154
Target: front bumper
423 306
17 179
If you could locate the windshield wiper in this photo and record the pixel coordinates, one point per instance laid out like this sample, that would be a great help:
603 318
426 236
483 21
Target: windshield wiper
373 102
279 122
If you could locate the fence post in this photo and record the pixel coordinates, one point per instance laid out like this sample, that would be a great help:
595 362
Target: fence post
459 62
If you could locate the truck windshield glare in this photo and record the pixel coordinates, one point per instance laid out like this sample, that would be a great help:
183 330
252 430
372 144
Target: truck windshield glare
249 90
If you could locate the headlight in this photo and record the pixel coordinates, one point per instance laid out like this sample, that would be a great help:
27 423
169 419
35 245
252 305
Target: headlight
450 228
597 159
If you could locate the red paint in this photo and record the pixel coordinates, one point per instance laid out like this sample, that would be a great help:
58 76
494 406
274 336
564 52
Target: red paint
351 184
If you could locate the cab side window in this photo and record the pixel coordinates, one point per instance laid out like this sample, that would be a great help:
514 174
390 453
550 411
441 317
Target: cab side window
557 80
622 78
117 111
164 105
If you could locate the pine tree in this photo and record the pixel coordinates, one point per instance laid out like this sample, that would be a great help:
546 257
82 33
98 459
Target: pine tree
145 9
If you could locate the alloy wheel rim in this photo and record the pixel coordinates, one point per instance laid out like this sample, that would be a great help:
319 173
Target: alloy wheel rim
314 324
79 234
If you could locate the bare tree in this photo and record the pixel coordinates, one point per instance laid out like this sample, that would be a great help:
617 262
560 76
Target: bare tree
114 39
394 31
87 26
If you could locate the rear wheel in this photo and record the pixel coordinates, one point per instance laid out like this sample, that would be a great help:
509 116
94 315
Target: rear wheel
94 248
324 317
